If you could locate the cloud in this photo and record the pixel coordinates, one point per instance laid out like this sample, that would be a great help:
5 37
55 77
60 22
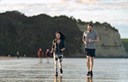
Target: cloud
29 1
114 12
89 12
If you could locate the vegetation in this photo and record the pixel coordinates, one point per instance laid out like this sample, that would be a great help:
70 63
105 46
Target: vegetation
125 44
26 34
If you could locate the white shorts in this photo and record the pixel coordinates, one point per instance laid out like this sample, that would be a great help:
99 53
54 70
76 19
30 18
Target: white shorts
58 56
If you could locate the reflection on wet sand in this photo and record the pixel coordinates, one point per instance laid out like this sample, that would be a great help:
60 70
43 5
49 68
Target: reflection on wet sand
89 79
15 70
58 79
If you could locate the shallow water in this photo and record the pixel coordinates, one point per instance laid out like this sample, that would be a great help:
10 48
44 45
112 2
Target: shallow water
30 70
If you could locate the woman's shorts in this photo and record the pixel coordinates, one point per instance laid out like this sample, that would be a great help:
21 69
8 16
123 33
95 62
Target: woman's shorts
58 56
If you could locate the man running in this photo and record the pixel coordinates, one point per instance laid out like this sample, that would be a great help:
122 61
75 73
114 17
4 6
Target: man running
90 37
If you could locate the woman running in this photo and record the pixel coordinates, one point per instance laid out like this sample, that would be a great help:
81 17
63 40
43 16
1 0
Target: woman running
57 49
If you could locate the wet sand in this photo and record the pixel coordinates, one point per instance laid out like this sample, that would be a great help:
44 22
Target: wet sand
30 70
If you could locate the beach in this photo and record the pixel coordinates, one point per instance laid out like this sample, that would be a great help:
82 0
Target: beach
30 70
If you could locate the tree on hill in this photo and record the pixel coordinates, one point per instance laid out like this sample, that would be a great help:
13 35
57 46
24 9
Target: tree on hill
26 34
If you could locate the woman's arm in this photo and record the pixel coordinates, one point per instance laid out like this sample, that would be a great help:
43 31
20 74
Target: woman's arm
63 46
62 49
53 45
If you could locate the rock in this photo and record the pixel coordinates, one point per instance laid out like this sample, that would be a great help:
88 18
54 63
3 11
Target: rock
110 44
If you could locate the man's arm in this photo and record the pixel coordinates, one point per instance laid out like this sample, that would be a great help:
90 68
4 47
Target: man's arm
96 40
83 39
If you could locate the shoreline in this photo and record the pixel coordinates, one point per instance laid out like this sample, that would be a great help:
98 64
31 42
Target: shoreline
5 57
10 58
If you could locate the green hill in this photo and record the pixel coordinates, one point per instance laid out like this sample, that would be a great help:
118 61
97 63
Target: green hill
26 34
125 44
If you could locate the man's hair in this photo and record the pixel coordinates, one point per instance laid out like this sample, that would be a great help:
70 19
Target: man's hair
90 25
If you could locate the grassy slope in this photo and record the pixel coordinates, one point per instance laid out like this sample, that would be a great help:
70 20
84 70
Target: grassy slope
125 43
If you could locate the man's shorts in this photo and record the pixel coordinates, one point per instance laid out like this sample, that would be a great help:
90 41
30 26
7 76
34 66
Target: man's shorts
90 52
58 56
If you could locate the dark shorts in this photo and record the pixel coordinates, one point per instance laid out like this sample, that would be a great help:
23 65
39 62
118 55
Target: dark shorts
90 52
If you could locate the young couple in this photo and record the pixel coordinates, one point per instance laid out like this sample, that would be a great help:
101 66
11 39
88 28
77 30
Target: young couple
90 37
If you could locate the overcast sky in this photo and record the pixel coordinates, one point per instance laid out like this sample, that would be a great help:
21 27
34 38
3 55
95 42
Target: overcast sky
114 12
